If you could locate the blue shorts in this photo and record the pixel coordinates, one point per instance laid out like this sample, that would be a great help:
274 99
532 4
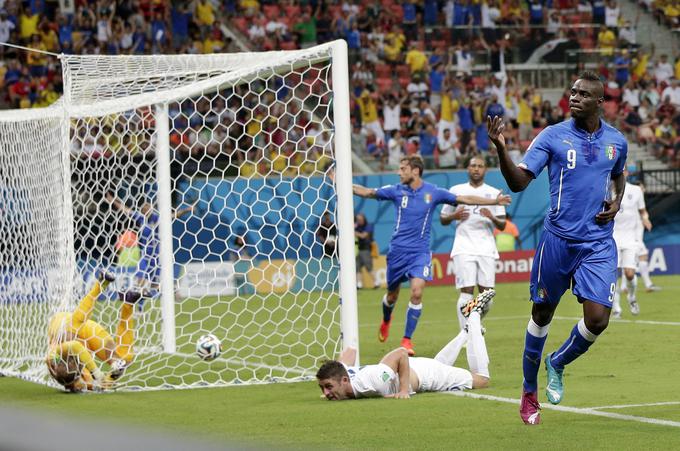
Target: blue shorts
402 267
589 267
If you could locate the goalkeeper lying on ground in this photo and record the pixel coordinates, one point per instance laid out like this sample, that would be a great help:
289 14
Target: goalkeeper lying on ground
74 338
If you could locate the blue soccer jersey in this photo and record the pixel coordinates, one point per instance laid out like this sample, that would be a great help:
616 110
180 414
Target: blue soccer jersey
580 168
415 209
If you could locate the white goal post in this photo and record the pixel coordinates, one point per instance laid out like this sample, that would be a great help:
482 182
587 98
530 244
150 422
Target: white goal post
201 180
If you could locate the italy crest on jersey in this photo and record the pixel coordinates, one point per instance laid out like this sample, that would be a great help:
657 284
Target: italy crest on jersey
428 198
610 150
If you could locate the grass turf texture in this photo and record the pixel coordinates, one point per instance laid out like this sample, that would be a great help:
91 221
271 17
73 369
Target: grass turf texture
632 363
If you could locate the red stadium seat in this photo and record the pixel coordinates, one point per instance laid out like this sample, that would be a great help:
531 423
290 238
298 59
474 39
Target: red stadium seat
403 82
288 45
611 110
403 71
383 70
384 85
271 12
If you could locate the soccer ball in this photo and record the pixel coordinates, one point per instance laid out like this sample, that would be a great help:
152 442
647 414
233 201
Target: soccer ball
208 347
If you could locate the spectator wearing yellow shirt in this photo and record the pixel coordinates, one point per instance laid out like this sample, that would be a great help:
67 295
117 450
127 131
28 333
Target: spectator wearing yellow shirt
205 15
369 115
28 24
392 50
606 41
37 62
525 117
49 37
416 60
640 65
676 67
447 113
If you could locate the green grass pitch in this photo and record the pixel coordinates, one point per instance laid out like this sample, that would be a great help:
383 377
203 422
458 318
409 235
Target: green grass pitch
635 363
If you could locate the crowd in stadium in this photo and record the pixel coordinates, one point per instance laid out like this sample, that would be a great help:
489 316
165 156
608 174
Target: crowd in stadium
413 64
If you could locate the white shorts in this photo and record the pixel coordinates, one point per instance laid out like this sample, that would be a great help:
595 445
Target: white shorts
628 257
474 270
435 376
642 249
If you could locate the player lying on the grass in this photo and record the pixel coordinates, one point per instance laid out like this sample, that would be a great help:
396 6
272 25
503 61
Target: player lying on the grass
74 338
398 375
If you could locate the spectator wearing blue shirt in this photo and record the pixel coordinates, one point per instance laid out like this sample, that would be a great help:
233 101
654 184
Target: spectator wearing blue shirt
428 144
598 11
180 17
409 257
622 65
585 158
430 12
409 23
461 18
65 33
437 76
353 38
159 32
536 19
466 123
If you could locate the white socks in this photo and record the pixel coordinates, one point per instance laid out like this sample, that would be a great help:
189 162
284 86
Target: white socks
643 266
463 299
477 355
449 353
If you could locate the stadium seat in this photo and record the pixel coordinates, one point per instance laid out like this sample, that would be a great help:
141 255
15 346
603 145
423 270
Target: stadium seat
288 45
611 110
403 71
383 70
384 85
404 81
271 12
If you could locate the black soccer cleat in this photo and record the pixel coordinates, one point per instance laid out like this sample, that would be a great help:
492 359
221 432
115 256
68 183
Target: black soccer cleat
130 297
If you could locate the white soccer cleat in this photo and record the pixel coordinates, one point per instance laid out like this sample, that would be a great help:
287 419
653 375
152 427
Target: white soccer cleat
616 314
478 304
652 288
634 307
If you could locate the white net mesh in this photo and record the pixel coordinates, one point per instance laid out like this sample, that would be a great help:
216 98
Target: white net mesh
250 144
35 226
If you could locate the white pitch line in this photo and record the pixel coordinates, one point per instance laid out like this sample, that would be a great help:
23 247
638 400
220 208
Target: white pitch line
582 411
625 406
558 318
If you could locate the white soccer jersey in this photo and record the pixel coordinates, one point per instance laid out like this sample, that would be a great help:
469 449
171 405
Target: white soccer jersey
372 381
627 221
474 236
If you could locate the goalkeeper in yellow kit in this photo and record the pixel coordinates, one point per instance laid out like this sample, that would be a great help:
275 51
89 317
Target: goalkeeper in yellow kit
74 340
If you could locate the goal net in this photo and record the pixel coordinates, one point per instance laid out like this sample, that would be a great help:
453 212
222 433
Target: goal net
213 184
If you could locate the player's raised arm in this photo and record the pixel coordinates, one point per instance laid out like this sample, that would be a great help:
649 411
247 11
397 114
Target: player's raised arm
517 178
348 356
362 191
398 361
611 207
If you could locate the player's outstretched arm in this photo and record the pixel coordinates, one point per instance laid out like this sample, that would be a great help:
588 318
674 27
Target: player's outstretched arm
611 207
362 191
398 361
517 178
502 199
644 215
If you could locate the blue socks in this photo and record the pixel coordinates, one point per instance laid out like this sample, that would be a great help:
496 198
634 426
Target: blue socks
578 343
387 310
412 317
533 349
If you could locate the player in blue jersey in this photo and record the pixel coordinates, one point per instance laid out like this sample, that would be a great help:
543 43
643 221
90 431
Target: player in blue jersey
409 257
585 158
146 220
